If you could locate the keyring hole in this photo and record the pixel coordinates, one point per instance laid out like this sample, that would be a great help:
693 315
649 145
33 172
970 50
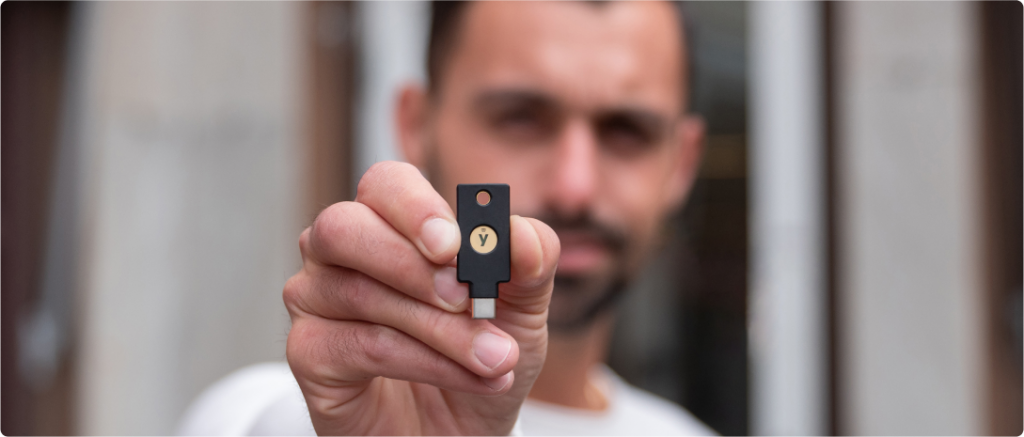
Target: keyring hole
483 197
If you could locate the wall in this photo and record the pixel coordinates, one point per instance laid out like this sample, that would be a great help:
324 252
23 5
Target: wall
910 290
393 45
191 199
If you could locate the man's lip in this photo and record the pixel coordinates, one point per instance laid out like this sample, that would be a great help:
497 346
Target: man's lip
578 237
581 253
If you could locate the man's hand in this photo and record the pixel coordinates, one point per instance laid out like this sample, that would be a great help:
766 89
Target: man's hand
381 340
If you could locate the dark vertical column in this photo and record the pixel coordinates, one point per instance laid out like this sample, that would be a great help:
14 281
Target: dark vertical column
332 48
1003 142
33 54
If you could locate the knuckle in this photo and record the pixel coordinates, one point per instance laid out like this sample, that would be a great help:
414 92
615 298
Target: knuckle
322 350
304 243
323 225
377 343
356 293
408 308
388 180
297 346
336 358
439 323
328 219
292 293
331 223
381 174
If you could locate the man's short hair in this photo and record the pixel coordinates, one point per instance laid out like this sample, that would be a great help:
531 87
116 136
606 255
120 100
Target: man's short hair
446 22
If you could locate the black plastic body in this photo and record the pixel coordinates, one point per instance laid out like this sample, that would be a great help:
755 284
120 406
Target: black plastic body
484 272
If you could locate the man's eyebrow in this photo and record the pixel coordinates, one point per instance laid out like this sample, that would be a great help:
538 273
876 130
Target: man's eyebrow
515 97
651 121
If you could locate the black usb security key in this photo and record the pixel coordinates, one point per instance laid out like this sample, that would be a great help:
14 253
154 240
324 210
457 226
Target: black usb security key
484 256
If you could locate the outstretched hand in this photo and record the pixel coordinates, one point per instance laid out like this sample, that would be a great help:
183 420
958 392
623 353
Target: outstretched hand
381 340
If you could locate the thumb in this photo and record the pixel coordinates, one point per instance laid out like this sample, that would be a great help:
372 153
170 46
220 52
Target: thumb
534 256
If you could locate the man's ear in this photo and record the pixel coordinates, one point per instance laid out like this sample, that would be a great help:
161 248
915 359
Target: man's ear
689 141
411 123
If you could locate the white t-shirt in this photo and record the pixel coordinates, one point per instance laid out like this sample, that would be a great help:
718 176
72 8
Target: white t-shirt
264 399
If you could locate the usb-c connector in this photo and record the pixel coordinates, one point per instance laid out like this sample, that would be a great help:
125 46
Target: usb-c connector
483 308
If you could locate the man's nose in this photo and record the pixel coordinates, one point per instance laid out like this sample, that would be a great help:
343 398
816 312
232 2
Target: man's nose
575 173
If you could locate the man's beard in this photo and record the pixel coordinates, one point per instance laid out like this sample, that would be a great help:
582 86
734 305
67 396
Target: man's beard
575 306
578 300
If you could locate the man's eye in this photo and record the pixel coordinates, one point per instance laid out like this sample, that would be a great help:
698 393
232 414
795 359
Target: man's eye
520 125
625 138
517 119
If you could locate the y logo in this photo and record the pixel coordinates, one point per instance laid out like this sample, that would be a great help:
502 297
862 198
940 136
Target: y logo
483 239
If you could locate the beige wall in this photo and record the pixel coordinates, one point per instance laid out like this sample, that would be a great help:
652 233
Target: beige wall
908 144
192 201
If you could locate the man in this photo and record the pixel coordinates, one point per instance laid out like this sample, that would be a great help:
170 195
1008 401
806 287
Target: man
580 108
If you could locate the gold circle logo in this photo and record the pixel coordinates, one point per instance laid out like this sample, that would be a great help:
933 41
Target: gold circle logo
483 239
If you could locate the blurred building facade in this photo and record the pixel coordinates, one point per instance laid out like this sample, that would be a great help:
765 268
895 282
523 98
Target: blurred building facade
849 261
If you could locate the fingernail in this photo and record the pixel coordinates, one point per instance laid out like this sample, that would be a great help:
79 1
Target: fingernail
498 383
448 287
491 349
438 235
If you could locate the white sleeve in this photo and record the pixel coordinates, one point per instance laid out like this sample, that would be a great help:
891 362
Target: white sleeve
517 429
243 402
262 399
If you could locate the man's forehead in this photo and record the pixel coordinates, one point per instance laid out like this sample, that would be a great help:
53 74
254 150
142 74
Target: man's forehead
584 53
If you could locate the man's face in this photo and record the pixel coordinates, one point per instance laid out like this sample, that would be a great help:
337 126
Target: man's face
578 107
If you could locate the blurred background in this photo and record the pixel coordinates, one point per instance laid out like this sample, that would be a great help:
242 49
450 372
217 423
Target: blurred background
849 262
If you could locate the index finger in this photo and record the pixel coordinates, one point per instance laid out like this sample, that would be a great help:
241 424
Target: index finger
400 195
